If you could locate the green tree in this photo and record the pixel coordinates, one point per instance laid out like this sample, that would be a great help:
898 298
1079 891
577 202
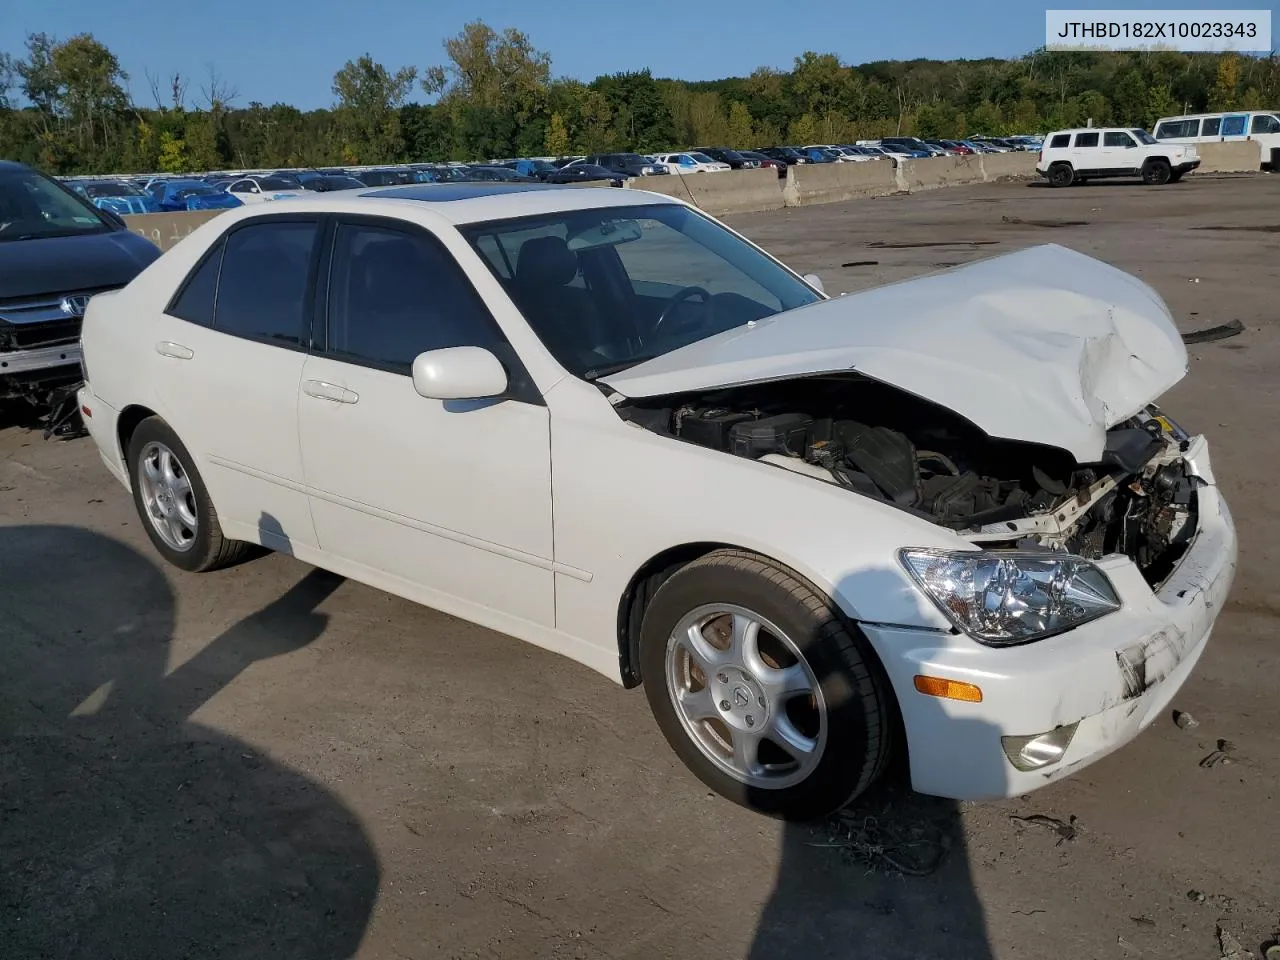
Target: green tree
741 128
369 100
557 140
173 154
1226 86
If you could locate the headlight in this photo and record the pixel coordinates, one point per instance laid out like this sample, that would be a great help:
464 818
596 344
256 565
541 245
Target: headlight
1008 597
648 171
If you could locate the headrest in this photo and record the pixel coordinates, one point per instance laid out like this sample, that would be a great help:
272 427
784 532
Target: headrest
546 261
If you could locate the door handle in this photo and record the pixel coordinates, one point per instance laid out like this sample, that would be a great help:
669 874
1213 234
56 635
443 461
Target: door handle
324 390
167 348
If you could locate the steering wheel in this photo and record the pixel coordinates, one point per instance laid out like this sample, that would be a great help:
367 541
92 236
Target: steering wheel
678 298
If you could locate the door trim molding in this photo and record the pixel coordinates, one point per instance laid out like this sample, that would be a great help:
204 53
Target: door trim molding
445 533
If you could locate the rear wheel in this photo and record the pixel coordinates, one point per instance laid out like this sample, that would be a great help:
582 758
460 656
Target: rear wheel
1156 172
761 688
1061 175
173 503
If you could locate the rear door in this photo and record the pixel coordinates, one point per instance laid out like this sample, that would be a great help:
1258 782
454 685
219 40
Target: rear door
232 346
1084 153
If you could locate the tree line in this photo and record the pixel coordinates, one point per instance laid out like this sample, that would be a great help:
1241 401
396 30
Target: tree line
64 105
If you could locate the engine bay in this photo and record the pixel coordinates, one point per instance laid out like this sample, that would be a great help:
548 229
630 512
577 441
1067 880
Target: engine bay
883 443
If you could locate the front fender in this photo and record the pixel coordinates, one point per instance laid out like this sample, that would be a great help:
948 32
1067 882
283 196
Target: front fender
623 495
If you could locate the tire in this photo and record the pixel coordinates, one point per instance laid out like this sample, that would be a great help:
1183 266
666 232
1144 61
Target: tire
1061 175
1176 176
838 728
1156 172
174 505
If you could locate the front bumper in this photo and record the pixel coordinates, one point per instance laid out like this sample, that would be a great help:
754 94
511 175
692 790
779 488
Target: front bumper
1186 166
1112 677
40 359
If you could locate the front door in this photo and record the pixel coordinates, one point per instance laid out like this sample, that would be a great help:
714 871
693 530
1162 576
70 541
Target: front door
449 498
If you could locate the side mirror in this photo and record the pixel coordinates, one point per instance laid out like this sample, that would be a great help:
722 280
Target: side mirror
458 373
815 281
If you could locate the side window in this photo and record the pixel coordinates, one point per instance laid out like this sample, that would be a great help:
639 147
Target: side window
1060 141
393 295
1233 126
1211 127
1117 138
1086 139
1264 123
194 302
240 186
265 281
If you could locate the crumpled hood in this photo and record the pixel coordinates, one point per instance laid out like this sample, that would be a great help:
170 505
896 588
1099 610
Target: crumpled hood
1045 345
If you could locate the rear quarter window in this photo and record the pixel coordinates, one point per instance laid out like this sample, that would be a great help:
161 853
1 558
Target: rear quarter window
1060 141
195 299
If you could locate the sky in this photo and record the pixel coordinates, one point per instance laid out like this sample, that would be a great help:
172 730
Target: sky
288 50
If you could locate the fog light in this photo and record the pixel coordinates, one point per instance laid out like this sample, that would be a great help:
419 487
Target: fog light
1039 750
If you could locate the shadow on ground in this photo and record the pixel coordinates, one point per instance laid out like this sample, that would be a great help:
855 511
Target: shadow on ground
840 892
888 877
126 829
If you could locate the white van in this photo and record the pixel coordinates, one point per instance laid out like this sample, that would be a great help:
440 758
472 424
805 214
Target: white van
1260 125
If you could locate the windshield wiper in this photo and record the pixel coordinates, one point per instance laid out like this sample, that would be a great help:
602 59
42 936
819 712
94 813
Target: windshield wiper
595 373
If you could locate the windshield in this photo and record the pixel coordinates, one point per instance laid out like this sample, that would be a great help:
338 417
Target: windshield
193 190
701 158
1143 136
609 288
33 207
276 183
111 190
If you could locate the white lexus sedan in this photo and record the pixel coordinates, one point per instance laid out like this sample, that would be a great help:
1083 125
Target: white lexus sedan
604 423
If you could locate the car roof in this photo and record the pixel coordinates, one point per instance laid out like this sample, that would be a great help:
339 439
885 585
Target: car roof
462 203
1096 130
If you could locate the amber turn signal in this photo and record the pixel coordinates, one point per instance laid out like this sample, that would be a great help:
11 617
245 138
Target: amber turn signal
948 689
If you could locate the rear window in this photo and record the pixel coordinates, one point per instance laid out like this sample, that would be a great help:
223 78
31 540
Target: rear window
1086 139
1060 140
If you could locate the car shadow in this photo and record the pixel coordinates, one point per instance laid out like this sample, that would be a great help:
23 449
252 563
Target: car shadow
889 876
128 829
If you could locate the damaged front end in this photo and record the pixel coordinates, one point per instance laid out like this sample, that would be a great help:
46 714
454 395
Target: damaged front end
1137 499
40 362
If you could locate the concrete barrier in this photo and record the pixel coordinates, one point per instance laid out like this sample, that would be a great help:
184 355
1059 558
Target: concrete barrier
1008 166
738 191
916 175
1231 156
166 229
809 183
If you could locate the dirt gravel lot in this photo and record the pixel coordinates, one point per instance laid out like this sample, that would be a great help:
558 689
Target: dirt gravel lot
270 762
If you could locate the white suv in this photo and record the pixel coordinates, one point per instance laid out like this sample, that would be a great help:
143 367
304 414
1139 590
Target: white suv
1074 156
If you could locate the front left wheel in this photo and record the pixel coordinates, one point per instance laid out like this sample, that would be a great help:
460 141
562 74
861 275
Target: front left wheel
762 688
173 503
1156 172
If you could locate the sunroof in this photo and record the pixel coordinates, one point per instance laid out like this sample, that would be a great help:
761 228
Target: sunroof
443 192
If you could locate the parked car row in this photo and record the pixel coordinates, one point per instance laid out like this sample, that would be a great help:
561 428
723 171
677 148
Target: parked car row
219 190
